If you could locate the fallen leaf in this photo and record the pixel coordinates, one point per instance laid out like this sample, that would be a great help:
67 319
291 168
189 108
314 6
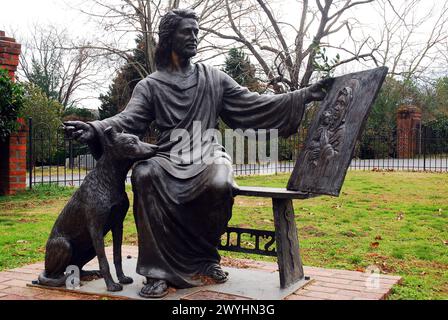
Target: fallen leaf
249 244
228 262
400 216
372 254
378 238
22 241
348 234
172 290
375 244
385 268
445 243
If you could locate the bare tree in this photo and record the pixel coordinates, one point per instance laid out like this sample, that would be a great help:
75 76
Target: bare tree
60 72
285 51
413 34
139 18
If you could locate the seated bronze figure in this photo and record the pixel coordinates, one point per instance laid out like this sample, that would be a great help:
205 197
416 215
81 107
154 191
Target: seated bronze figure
182 208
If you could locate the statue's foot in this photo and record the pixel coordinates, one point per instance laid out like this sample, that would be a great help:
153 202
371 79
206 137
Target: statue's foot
154 289
125 280
215 272
114 287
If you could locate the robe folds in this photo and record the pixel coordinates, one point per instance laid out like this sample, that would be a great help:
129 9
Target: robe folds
181 204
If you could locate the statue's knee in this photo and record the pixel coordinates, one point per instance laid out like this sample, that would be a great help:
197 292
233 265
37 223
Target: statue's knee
222 181
142 173
137 173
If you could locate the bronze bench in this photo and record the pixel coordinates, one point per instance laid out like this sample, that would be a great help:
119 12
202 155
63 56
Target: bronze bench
285 236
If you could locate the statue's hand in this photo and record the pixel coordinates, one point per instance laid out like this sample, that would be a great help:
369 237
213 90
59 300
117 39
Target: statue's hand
315 153
79 130
151 149
318 90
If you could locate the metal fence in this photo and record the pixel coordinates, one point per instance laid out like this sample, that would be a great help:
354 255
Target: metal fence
54 158
414 150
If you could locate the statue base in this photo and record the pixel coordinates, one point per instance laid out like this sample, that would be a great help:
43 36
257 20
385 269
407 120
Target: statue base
243 284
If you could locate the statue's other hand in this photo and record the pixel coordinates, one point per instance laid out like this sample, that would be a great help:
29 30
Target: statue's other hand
79 130
152 149
318 90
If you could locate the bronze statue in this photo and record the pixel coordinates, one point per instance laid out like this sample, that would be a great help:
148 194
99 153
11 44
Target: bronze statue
97 207
182 208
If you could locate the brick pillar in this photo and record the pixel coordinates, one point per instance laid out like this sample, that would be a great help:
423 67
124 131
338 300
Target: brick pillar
409 119
13 150
9 54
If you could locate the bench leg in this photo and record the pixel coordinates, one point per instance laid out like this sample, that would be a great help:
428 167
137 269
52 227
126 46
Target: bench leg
288 252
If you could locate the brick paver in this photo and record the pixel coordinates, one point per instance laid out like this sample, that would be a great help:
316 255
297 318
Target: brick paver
327 284
295 297
15 297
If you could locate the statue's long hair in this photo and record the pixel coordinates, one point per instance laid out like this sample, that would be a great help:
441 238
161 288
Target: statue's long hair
167 27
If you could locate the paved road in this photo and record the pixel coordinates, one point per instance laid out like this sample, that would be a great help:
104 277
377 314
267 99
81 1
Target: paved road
439 165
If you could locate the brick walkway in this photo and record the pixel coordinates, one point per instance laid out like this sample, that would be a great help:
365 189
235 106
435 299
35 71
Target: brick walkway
327 284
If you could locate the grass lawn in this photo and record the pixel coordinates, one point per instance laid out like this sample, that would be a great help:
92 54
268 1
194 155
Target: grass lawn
396 221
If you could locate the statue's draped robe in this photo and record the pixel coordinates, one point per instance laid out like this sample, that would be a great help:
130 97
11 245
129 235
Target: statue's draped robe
181 209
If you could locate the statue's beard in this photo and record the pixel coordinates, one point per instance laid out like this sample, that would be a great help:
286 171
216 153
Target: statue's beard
189 53
186 53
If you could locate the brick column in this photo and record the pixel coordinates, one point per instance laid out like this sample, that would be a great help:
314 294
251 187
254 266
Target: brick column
9 54
409 119
13 150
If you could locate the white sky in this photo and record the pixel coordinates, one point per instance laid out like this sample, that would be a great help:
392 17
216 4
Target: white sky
18 16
